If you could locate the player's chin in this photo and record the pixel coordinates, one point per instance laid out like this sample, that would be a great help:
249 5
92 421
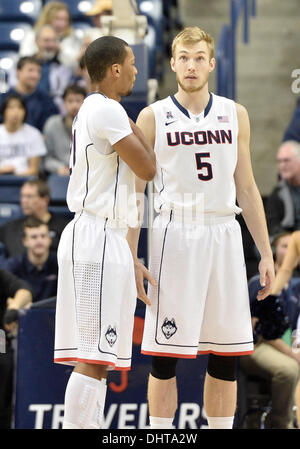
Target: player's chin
127 93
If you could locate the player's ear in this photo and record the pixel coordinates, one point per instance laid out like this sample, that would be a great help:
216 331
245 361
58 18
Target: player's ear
116 70
172 63
212 64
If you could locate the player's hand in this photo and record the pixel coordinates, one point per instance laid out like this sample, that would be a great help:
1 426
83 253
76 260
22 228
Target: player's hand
267 277
141 273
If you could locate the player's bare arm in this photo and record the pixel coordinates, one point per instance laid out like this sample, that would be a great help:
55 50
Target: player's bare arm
138 154
146 123
250 201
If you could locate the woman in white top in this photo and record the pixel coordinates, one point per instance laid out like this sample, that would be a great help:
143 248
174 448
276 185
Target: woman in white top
57 15
21 145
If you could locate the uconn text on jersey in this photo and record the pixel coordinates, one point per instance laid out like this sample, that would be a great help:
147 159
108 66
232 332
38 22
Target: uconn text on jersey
199 137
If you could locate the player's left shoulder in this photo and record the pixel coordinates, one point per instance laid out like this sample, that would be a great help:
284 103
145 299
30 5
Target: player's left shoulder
241 110
243 118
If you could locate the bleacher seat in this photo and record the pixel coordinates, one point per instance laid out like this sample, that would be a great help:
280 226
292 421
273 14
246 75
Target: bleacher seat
153 10
9 211
61 211
11 34
154 39
8 60
58 189
80 28
139 97
77 9
20 10
10 186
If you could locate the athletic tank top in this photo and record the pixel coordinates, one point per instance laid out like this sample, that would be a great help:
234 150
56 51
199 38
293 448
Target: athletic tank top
196 157
101 183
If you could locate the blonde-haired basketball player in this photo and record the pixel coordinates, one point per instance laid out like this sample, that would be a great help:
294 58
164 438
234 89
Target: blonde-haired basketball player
96 295
200 304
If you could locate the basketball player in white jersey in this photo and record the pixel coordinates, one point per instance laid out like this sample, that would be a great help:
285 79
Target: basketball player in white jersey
200 304
96 295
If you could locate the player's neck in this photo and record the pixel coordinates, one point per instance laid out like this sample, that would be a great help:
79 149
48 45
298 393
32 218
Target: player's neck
107 90
195 102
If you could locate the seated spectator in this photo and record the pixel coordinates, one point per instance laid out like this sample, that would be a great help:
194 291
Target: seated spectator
56 14
21 145
14 294
293 130
54 76
39 105
81 77
37 265
283 204
99 9
35 198
58 131
273 358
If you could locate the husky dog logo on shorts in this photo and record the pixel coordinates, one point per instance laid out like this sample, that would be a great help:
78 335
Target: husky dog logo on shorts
111 335
169 327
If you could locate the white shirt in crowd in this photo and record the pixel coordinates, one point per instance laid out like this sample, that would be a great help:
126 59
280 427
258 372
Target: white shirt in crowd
18 147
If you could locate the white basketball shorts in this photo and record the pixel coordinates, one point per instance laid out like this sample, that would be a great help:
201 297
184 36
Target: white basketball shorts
96 296
201 302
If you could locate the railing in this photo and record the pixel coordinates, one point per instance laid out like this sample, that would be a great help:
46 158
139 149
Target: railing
226 49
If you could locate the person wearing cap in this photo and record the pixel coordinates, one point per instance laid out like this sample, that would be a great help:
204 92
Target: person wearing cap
100 8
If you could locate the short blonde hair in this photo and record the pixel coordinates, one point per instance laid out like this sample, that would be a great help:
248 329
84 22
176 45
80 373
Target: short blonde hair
191 36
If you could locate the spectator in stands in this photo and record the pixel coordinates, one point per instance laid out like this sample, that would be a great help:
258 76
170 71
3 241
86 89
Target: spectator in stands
35 198
55 75
37 265
293 130
38 103
57 14
14 294
58 130
21 145
283 205
99 9
82 77
274 359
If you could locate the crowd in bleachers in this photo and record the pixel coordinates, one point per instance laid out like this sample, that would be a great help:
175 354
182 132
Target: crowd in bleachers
43 82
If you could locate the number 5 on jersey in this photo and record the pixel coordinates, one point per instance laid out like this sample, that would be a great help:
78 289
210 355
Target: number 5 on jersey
204 167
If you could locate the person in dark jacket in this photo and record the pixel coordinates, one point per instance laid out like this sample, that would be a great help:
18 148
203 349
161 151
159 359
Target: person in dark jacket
39 104
35 198
14 294
283 204
37 265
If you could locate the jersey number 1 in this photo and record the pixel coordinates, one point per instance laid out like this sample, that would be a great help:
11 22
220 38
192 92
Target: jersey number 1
205 168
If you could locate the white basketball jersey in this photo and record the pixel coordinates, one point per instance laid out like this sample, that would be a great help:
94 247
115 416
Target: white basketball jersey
196 156
101 183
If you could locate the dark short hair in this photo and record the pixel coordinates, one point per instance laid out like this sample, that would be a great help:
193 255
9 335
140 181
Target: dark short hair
27 60
33 222
74 89
102 53
42 186
8 98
